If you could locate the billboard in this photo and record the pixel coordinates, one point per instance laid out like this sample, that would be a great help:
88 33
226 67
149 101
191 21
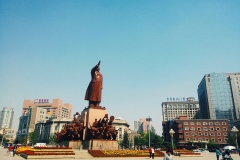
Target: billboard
41 100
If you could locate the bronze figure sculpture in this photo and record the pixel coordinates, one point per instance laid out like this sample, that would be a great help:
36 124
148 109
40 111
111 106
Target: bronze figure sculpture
103 129
71 131
94 90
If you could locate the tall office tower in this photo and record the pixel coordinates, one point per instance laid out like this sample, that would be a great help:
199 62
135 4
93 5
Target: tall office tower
141 126
219 96
6 117
172 109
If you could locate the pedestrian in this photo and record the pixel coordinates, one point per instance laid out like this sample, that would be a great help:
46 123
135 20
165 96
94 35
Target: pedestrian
168 155
150 152
239 151
223 154
218 153
14 149
9 149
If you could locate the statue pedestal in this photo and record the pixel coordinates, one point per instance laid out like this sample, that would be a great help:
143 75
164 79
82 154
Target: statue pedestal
89 115
97 144
72 144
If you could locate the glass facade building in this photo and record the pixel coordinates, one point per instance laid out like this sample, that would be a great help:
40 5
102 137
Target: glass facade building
219 96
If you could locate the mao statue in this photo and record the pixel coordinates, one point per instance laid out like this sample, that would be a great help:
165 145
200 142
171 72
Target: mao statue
94 90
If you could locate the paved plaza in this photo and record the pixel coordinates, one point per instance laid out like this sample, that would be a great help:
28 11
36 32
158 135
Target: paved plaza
205 156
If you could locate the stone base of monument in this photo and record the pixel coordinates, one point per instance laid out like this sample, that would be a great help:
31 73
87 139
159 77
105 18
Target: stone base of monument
98 144
72 144
47 156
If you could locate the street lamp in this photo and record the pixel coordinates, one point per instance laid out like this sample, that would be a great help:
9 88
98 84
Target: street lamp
149 120
171 132
235 130
129 132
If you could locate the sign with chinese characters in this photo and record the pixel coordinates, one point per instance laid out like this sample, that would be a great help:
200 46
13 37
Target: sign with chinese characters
41 100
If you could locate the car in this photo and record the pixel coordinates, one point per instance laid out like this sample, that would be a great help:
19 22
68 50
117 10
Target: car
40 145
197 150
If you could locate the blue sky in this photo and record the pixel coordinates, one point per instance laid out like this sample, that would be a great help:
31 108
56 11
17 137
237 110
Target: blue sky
150 50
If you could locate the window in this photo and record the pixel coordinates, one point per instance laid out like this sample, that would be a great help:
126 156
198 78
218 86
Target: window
205 128
193 134
187 139
120 135
210 123
198 123
205 134
218 134
219 140
216 123
192 123
199 133
192 129
206 139
213 139
217 129
187 133
186 129
204 123
185 123
199 129
225 134
211 129
224 123
211 134
225 139
199 139
224 129
120 129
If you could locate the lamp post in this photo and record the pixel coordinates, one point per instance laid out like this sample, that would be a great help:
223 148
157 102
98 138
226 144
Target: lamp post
149 120
3 133
171 132
129 132
235 130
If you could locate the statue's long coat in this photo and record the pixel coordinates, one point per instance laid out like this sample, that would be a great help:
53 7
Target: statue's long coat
94 90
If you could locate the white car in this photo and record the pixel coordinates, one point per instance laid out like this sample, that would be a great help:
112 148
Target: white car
197 150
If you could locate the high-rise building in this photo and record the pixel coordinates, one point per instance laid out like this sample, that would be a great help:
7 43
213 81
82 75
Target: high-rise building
141 126
56 108
6 117
219 96
172 109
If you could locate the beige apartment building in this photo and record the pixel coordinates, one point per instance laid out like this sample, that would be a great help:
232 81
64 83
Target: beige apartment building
39 110
122 126
55 108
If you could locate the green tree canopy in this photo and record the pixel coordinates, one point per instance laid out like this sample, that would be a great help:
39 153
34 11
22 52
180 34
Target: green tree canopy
33 137
125 141
52 139
156 141
231 139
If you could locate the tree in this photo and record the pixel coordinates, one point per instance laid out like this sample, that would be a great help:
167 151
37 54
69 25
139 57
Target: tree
212 144
52 139
231 139
125 141
157 142
169 145
23 140
141 139
33 137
